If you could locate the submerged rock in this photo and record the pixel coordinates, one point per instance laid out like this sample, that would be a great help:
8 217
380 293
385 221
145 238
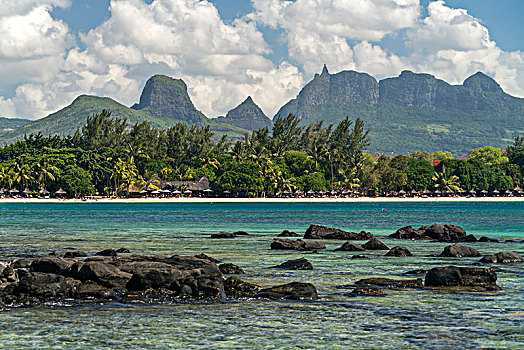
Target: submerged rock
374 244
123 250
350 247
459 251
107 252
416 272
297 264
409 232
236 288
452 276
223 235
240 233
289 244
399 252
391 283
485 239
324 232
368 291
502 258
290 291
287 233
75 254
230 269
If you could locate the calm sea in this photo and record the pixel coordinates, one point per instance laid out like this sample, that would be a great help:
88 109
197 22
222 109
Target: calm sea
413 319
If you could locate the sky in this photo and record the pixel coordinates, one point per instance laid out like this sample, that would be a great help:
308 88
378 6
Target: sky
51 51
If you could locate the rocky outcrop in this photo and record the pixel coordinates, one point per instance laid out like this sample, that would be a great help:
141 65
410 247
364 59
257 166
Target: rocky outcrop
223 235
289 244
236 288
165 97
290 291
459 251
107 252
230 269
438 232
350 247
296 264
51 264
465 277
374 244
502 258
75 254
324 232
399 252
368 291
247 115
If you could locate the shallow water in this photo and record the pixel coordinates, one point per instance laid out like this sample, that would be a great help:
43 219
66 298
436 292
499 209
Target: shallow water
413 319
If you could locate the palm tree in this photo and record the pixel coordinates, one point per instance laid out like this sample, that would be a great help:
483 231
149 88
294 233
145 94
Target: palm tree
23 175
446 182
45 171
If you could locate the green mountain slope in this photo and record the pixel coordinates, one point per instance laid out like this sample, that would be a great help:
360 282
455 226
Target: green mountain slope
414 111
7 124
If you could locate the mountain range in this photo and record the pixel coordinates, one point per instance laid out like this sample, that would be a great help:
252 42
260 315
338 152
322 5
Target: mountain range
405 113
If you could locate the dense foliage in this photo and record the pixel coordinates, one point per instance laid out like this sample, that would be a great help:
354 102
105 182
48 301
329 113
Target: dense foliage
108 157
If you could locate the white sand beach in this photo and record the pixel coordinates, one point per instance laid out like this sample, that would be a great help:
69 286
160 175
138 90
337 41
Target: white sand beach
264 200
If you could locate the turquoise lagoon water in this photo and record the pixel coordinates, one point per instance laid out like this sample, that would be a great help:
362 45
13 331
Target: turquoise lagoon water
411 319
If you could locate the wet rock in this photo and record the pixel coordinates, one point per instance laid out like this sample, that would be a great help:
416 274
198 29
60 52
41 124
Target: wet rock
470 238
123 250
223 235
399 252
107 252
502 258
290 291
2 267
416 272
368 291
206 257
323 232
485 239
452 276
446 233
391 283
236 288
289 244
409 232
9 274
101 273
75 254
240 233
41 285
230 269
374 244
22 263
297 264
51 264
360 257
287 233
459 251
151 275
350 247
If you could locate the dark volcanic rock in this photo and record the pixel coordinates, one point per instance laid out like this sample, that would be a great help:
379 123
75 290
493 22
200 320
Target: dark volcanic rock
470 238
446 233
409 232
287 233
459 251
123 250
323 232
152 274
22 263
223 235
502 258
485 239
415 272
452 276
51 264
289 244
236 288
41 285
101 273
206 257
350 247
230 269
390 283
107 252
360 257
399 252
290 291
75 254
297 264
241 233
374 244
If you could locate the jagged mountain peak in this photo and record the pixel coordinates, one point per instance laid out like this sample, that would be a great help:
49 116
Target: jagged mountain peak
247 115
325 70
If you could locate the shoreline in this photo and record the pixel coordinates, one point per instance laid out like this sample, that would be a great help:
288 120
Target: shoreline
265 200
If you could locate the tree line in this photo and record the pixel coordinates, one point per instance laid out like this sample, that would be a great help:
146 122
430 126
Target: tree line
108 157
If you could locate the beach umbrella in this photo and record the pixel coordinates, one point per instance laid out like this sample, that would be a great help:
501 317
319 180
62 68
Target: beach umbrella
473 192
227 192
437 192
14 190
402 192
165 191
187 192
413 192
334 192
449 192
496 192
177 192
26 191
426 191
155 192
208 190
60 191
299 192
143 192
310 192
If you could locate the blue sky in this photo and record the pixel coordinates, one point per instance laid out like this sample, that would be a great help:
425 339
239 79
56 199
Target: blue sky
53 50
